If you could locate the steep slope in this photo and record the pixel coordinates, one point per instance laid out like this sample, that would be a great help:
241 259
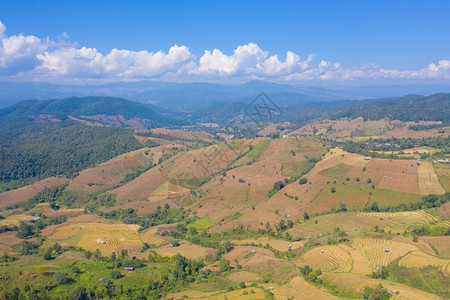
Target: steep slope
409 108
89 110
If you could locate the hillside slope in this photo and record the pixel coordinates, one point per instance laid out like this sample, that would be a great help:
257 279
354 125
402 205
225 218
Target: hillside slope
90 110
409 108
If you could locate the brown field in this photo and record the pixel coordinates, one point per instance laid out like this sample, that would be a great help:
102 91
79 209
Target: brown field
244 276
261 261
23 194
428 180
398 176
6 249
185 249
360 129
109 174
185 134
9 238
443 173
394 175
140 188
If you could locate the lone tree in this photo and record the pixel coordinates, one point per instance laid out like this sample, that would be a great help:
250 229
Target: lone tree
305 216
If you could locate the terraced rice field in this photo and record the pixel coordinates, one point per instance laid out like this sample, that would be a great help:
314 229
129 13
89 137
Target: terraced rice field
374 250
441 243
152 237
309 291
329 258
357 283
90 236
280 245
419 259
398 222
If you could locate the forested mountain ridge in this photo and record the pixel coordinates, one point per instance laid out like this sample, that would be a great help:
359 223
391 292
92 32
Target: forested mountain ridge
101 110
30 150
409 108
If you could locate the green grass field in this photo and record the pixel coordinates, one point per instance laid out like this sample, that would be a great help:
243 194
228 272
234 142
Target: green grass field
353 196
258 150
336 172
390 198
201 224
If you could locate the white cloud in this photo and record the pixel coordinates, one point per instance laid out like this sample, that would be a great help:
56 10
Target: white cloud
26 57
243 61
2 30
18 53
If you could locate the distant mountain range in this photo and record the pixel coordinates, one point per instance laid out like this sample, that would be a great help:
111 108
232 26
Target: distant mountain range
118 112
193 96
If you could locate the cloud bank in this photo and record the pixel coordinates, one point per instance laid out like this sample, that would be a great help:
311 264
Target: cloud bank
27 57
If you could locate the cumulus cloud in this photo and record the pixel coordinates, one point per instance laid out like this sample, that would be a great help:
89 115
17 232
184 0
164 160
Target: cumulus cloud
18 53
26 57
117 64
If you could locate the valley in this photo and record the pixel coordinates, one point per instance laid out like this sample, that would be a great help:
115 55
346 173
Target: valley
325 208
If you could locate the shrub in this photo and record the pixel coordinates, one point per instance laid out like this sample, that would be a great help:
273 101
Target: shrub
303 180
115 274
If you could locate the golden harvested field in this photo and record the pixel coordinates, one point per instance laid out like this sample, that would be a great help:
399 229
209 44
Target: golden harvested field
244 276
419 259
185 134
185 249
428 180
14 220
152 237
90 236
329 258
441 243
305 290
399 222
357 283
280 245
443 173
241 294
23 194
374 250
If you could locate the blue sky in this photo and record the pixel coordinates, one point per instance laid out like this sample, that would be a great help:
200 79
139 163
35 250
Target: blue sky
368 41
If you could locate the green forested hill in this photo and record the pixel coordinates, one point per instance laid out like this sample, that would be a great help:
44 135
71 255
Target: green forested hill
88 106
409 108
34 150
